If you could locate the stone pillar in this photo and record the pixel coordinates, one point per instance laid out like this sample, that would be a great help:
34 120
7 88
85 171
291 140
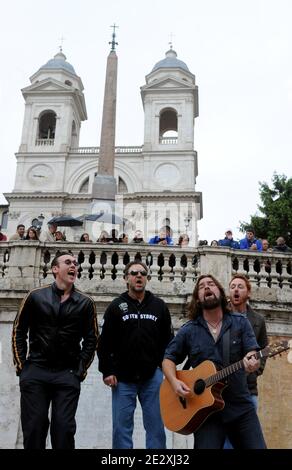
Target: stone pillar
104 186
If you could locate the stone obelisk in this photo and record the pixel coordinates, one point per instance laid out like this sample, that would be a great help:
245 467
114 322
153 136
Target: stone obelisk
104 188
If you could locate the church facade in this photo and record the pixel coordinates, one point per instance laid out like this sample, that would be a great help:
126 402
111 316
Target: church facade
155 181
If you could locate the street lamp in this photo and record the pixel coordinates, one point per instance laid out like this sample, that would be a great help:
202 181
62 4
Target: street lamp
38 222
187 221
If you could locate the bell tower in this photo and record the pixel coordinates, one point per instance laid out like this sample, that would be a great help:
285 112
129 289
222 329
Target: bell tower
54 108
170 102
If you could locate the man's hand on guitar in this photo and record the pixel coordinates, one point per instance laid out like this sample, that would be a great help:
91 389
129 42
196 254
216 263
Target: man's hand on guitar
180 388
251 364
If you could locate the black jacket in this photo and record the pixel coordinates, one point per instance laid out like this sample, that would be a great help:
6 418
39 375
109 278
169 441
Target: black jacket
259 327
55 330
133 338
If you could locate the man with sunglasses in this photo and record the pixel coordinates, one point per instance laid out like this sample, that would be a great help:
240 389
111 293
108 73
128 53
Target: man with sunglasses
136 330
62 328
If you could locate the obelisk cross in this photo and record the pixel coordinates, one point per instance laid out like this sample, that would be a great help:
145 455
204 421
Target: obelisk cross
113 41
61 45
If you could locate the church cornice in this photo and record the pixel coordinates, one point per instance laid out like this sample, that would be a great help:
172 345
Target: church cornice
127 196
40 195
61 89
122 152
41 87
176 85
162 195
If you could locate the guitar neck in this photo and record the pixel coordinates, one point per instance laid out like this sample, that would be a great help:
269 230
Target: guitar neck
223 373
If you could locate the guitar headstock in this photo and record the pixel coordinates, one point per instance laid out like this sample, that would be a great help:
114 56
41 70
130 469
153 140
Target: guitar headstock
275 348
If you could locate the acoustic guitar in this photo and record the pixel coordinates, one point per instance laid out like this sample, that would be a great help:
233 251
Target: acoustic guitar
186 415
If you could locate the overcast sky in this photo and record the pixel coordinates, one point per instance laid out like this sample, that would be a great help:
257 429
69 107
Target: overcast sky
240 53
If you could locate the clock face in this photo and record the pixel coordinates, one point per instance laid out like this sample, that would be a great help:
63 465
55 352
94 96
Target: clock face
167 175
40 174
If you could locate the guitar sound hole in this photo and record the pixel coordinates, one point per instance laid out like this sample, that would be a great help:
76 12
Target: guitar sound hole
199 386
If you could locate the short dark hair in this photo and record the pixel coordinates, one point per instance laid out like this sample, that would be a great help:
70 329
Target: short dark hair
250 229
55 261
129 265
20 225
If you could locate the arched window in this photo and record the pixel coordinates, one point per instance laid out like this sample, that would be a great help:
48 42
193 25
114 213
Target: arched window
122 187
168 126
84 186
47 125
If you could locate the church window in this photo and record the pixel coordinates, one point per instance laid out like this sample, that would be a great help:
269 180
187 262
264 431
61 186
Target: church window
168 130
122 187
47 125
84 186
67 82
4 221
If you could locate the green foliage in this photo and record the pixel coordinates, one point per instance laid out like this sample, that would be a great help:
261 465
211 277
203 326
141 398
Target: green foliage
276 210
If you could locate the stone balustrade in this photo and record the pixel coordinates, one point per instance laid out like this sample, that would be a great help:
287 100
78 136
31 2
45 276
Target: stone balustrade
95 150
172 273
44 142
170 268
168 140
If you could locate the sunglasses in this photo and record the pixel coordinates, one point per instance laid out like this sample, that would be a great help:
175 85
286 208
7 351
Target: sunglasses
135 273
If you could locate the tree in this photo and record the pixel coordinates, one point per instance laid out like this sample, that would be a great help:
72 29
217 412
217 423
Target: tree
276 208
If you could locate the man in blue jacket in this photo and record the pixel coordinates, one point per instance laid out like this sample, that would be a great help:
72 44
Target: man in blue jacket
228 240
163 238
214 334
250 242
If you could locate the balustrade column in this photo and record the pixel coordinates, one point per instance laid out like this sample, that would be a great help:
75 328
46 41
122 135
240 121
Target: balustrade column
216 262
24 265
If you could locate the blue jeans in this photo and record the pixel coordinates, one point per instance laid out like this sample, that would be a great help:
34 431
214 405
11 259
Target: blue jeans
124 397
227 443
245 432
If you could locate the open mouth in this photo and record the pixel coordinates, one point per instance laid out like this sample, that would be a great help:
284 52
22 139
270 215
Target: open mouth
72 273
208 294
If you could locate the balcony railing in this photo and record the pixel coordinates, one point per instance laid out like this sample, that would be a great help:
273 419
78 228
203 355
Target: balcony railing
95 150
168 266
44 142
168 140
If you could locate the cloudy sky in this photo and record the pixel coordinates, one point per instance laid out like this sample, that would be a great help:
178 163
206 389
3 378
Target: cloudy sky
240 52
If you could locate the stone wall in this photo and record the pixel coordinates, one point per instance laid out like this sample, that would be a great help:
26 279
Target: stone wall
24 266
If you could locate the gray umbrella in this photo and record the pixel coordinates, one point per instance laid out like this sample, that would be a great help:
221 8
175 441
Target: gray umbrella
104 217
66 221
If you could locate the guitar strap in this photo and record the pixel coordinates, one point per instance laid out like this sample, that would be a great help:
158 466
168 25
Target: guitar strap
187 364
226 348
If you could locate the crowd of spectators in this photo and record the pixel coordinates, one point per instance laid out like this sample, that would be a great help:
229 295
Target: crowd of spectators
249 242
163 238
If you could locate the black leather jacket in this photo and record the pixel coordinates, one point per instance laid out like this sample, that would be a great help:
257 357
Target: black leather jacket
55 330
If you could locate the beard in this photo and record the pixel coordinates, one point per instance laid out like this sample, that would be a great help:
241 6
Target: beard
211 302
